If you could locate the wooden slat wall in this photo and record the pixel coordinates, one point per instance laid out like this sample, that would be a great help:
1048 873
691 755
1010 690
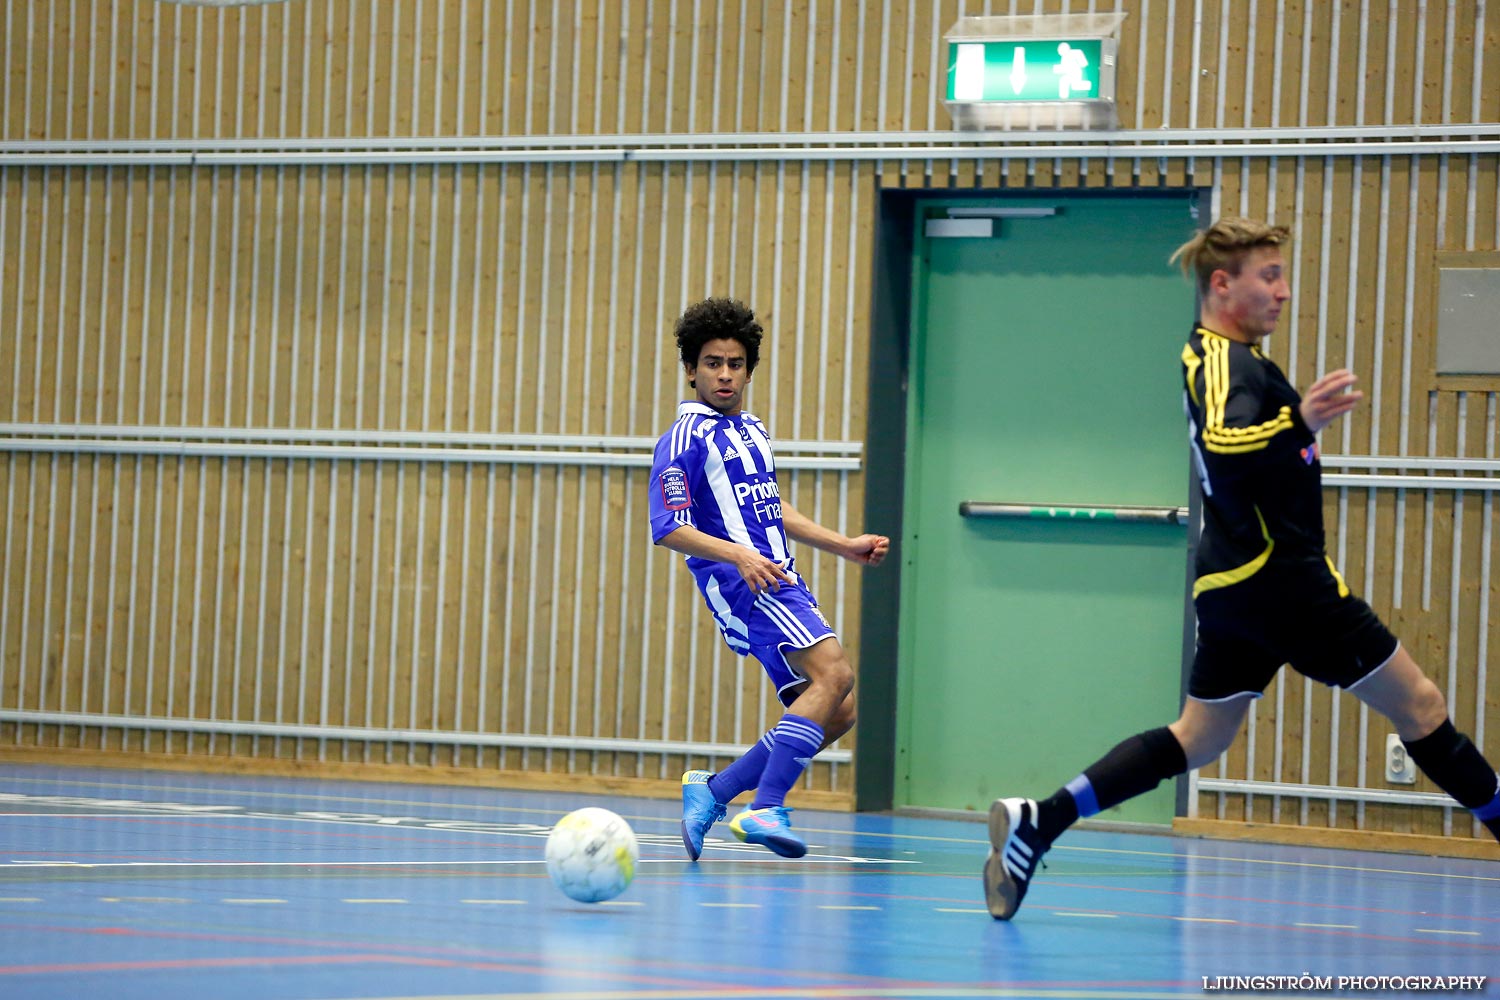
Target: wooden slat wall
538 298
448 596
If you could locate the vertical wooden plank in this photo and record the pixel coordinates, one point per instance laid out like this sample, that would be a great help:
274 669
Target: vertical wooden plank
1291 72
1131 62
871 55
1487 41
1468 614
1423 296
1235 79
895 76
1151 111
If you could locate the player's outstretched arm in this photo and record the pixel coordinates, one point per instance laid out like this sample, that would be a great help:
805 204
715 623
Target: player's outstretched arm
760 573
868 550
1326 399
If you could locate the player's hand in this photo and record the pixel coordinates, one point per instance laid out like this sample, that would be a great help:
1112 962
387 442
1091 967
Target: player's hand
868 549
760 573
1327 400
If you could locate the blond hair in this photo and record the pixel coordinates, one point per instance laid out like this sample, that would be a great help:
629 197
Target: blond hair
1224 245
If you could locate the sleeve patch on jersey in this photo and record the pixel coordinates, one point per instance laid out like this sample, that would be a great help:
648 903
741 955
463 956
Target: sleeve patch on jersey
674 489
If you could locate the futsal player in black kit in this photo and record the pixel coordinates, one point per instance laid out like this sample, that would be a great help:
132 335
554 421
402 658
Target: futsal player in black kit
1266 593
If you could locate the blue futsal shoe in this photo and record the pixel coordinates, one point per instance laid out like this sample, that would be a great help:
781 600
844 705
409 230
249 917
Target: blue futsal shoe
700 811
769 826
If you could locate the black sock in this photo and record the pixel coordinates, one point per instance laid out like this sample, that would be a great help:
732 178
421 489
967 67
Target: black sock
1136 765
1056 814
1456 766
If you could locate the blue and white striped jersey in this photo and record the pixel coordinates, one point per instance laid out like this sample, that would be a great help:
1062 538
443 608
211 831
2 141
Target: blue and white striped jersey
716 473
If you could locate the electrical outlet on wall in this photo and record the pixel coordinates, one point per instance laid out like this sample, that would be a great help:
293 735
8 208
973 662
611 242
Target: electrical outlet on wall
1399 767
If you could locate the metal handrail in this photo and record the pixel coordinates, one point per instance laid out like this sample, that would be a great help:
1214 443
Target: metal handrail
383 445
527 741
379 453
1116 513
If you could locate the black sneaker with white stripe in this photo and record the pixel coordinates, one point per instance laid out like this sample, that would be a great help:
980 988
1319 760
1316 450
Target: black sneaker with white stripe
1015 849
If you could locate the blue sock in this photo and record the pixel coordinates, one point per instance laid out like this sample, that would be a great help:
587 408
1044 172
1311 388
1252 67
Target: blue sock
1082 791
744 774
796 741
1489 815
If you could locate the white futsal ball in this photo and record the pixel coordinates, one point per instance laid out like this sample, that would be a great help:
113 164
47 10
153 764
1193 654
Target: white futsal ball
591 854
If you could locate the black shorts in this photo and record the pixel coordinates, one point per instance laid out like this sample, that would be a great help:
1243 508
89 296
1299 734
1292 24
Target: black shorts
1300 614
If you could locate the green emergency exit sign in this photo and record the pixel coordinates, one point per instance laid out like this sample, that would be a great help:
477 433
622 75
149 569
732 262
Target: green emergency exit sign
1039 70
1033 71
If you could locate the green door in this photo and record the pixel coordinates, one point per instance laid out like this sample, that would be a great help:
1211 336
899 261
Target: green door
1044 371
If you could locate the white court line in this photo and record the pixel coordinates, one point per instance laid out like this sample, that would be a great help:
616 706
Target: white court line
850 833
875 909
495 902
1337 927
949 909
113 815
1205 920
20 899
731 906
1095 916
730 847
507 809
753 860
1438 930
252 902
377 901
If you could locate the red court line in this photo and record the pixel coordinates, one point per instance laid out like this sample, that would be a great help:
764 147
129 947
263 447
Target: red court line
460 958
1238 924
1426 915
400 954
143 965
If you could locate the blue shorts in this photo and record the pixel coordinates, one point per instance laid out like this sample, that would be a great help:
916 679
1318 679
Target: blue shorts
762 625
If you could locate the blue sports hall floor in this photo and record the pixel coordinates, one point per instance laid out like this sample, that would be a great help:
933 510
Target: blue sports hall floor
154 885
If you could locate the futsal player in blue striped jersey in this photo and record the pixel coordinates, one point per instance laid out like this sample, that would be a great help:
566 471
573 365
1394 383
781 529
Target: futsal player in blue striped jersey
716 499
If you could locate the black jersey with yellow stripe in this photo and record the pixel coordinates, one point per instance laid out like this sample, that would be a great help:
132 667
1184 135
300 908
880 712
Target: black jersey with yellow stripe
1262 490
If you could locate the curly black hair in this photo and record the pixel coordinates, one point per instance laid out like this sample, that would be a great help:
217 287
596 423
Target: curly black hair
718 319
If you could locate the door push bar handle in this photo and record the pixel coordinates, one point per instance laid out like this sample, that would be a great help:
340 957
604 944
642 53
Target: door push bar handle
1075 512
